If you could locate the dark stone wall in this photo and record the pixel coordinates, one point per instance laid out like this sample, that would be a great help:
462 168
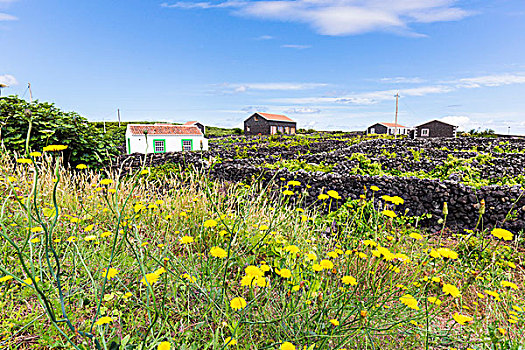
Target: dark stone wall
436 129
379 129
421 196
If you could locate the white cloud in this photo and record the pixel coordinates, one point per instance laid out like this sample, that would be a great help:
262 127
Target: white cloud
402 80
264 37
239 88
303 110
6 17
461 121
8 80
492 80
295 46
342 17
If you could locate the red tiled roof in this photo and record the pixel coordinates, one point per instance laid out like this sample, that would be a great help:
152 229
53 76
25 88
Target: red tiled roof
277 117
191 123
393 125
164 129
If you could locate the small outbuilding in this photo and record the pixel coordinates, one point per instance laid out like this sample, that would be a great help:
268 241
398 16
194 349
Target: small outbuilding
162 138
435 128
269 124
388 129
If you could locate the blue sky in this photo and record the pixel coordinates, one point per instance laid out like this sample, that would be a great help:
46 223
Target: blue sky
329 64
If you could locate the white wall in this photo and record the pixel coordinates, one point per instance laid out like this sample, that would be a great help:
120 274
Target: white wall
173 143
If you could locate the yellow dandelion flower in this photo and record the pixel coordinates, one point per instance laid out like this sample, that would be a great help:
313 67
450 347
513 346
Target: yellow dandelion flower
374 188
502 233
285 273
334 322
209 223
218 252
104 320
106 182
317 267
451 289
509 284
416 236
287 346
323 197
164 346
81 166
349 280
288 193
238 303
35 154
6 278
434 300
24 161
462 319
186 240
389 213
230 341
327 264
447 253
54 148
333 194
111 273
409 301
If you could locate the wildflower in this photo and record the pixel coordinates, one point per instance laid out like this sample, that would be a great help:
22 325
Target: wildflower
349 280
389 213
369 242
462 319
397 200
285 273
517 308
333 194
105 234
447 253
209 223
502 331
323 197
327 264
81 166
409 301
111 273
37 229
24 161
150 278
90 238
253 271
238 303
218 252
334 322
104 320
288 193
434 300
230 341
451 289
29 281
436 279
317 267
54 148
502 233
374 188
186 240
495 295
294 183
6 278
509 284
287 346
164 346
416 236
263 227
35 154
88 228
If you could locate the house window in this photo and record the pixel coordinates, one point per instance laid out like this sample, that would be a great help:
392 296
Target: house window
424 132
372 130
187 145
292 131
247 129
273 130
280 129
159 146
286 130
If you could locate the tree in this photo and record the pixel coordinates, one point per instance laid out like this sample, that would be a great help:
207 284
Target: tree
50 125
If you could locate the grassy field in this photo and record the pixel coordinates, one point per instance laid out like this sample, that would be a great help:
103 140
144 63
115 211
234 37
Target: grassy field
92 260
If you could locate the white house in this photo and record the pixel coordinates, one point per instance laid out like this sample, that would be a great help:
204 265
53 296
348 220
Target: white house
388 129
161 138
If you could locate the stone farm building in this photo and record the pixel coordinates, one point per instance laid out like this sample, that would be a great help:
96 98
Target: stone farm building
269 124
435 128
161 138
388 129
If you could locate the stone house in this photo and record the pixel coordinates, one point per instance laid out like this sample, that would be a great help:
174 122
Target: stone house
269 124
435 128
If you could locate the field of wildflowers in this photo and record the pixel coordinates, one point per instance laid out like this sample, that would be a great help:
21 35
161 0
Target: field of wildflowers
94 260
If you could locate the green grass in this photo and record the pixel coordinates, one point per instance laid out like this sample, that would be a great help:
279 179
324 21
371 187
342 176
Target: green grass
137 224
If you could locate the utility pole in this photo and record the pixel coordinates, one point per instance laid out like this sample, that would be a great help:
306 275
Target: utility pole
397 105
118 112
30 93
